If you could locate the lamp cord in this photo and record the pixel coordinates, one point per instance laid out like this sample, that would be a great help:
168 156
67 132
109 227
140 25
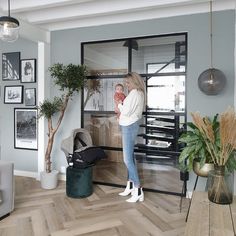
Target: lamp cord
211 32
9 8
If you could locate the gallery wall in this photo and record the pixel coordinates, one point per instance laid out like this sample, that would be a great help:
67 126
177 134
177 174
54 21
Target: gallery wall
66 48
24 159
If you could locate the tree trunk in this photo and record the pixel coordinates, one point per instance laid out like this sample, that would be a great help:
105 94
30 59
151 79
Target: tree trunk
48 154
88 96
51 133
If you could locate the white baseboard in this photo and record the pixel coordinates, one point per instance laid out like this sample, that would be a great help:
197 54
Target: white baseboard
30 174
35 175
62 176
189 194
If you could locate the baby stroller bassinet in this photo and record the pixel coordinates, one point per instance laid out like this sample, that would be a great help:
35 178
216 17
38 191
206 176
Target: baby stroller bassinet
79 149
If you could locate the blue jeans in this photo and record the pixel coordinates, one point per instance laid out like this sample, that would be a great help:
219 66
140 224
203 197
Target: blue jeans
129 134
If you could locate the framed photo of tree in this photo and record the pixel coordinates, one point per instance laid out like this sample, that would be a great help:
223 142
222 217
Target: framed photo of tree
25 128
11 66
28 70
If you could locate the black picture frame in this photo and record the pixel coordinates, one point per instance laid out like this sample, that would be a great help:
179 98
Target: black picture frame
28 70
11 66
25 128
13 94
30 97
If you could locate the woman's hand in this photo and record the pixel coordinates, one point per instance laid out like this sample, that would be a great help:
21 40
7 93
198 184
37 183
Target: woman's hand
117 110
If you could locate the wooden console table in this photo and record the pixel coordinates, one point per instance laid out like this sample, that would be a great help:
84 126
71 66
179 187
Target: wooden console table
209 219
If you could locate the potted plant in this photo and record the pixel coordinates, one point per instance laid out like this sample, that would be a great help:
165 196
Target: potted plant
195 155
70 80
222 151
220 143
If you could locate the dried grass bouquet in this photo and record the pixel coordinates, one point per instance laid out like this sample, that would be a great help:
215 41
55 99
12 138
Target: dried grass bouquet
221 145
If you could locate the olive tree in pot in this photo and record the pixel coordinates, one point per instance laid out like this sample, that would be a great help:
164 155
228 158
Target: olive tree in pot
70 80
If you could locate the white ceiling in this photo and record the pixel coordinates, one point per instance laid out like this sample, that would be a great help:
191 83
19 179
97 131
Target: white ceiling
63 14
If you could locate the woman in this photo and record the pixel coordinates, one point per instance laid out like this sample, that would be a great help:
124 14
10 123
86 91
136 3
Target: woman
130 115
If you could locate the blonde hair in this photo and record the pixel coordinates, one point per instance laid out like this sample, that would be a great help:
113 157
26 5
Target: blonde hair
136 81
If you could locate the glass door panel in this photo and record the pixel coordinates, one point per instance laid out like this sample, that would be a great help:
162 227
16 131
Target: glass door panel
166 93
167 53
102 98
162 63
109 58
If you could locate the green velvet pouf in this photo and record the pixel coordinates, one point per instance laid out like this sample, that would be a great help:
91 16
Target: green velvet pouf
79 182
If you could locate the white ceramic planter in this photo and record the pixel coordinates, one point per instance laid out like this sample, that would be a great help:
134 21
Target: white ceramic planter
49 180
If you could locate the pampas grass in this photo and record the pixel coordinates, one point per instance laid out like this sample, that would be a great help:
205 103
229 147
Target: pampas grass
221 152
220 145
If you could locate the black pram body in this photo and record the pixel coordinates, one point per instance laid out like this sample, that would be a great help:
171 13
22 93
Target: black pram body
79 149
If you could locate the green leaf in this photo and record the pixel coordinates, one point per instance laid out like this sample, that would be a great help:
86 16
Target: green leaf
188 137
202 161
191 125
231 163
186 153
69 78
49 108
198 146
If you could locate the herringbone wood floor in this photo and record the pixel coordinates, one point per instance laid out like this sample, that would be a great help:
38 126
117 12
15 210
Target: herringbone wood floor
50 212
155 176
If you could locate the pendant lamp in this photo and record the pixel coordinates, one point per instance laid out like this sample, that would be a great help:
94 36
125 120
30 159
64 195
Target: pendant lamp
9 27
211 81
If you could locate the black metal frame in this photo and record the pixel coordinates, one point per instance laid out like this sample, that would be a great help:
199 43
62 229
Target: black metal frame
129 40
26 147
34 78
34 94
14 58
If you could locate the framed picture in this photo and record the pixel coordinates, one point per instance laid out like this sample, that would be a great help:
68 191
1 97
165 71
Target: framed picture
11 66
30 96
25 128
13 94
28 70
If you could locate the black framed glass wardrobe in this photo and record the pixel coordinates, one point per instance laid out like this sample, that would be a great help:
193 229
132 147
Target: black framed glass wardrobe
162 62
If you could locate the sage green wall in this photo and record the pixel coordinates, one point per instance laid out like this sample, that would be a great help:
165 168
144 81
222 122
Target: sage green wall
24 160
66 44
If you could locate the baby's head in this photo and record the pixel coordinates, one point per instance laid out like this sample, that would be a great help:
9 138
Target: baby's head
119 88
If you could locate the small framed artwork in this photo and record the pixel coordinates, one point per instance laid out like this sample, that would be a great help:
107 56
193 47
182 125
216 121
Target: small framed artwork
28 70
11 66
30 96
25 129
13 94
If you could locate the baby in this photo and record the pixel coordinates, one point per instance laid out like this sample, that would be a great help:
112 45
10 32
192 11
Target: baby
118 96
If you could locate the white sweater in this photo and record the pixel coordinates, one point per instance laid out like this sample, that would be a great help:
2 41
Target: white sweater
132 108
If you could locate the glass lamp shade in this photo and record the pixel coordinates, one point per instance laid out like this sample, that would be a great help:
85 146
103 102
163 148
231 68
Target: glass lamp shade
211 81
9 29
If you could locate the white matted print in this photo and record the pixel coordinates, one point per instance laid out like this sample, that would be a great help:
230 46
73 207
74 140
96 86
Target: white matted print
13 94
25 128
28 70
